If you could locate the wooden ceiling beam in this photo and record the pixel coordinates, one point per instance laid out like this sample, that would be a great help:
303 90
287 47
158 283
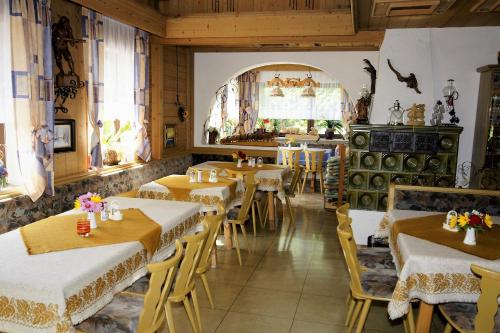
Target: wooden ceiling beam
263 24
129 12
361 38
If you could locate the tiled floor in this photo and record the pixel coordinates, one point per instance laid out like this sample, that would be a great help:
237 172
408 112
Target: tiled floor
294 281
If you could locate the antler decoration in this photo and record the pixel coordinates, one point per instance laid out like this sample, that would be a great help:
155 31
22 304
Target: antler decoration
373 74
411 80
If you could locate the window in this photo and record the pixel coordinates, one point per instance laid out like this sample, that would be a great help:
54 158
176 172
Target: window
118 115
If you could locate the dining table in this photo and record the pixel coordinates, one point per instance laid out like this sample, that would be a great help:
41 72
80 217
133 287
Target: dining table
271 178
53 291
226 192
428 270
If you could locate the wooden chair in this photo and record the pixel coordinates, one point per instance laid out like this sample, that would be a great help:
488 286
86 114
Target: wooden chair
466 317
214 223
366 285
184 282
314 165
138 313
290 191
289 157
238 216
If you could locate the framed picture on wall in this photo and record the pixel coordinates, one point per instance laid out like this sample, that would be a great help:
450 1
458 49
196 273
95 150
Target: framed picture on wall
169 139
64 135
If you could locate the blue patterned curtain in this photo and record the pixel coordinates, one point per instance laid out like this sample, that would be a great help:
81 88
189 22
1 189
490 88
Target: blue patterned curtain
141 93
92 31
33 94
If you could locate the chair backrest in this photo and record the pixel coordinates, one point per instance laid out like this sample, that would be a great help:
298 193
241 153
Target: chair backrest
246 176
314 160
349 249
487 304
289 157
189 264
214 222
343 214
296 178
160 283
246 204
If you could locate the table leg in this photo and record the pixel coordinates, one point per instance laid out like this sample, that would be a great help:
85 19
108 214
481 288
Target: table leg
424 317
270 204
227 236
214 257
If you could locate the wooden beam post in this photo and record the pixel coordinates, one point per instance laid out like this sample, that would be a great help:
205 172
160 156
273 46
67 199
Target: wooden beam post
129 12
157 100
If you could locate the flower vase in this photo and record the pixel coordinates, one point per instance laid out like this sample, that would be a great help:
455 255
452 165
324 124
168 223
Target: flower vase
93 222
470 236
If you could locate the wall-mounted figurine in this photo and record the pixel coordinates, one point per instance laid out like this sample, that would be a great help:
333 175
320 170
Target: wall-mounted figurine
66 84
373 74
411 80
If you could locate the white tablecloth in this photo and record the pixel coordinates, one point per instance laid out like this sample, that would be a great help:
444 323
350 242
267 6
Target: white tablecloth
431 272
208 197
269 180
51 292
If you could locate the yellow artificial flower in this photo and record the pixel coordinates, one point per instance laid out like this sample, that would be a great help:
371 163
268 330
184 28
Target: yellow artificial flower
488 221
453 222
235 155
463 220
77 204
96 198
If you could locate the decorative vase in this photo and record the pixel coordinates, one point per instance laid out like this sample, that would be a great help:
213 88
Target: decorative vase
93 222
470 236
329 133
240 163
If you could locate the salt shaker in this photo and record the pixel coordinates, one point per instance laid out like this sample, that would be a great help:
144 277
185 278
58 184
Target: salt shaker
200 176
192 176
104 212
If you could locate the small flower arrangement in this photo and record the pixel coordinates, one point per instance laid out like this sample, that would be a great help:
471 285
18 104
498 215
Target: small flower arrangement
89 202
292 141
475 219
239 155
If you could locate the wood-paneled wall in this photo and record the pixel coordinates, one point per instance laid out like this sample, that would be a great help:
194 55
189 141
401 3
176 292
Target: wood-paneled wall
170 107
73 163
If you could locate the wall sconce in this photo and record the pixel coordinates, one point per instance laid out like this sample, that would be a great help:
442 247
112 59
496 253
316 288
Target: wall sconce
451 95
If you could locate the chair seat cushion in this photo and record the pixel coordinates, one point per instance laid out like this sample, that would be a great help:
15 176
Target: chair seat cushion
232 214
140 286
379 283
464 314
119 316
376 257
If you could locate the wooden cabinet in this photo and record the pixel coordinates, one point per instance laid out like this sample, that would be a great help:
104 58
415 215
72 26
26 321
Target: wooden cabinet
410 155
485 170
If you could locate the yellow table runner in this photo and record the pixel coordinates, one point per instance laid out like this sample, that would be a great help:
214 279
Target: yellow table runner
430 228
180 187
58 233
244 167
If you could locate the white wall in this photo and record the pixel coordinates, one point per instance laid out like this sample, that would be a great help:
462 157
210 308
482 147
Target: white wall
212 70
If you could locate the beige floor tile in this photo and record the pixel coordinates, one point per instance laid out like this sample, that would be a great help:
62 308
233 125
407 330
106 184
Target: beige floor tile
211 319
278 279
311 327
223 294
321 309
284 263
230 257
236 322
378 320
267 302
334 287
237 275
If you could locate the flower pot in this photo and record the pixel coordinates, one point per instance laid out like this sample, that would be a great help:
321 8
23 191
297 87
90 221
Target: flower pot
470 236
93 222
212 137
329 133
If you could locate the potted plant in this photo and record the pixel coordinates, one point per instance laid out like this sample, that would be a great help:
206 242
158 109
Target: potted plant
331 126
213 134
3 173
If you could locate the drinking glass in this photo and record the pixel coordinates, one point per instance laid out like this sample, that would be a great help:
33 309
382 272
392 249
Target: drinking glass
83 227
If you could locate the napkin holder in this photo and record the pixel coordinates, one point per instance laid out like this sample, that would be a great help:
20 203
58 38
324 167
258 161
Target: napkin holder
114 212
446 225
213 176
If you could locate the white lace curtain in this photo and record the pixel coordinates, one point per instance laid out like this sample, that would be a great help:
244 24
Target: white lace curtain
327 105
